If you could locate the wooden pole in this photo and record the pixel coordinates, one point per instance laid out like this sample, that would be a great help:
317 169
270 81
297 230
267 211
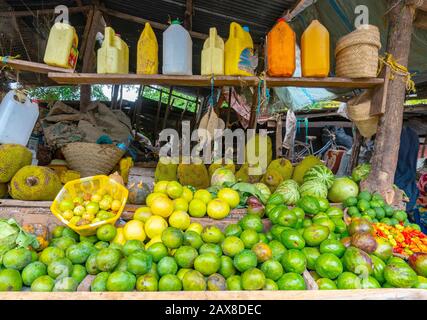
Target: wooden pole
384 160
188 19
252 119
357 144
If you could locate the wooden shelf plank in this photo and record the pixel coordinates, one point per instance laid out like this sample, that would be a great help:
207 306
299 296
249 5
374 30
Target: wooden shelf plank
205 81
36 67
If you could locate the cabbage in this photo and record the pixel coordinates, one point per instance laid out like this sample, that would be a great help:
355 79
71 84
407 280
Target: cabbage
12 236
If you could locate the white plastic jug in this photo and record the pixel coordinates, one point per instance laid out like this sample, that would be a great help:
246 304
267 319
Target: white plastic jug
17 119
177 50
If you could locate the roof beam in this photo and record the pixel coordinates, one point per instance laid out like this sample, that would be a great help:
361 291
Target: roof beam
299 7
156 25
188 19
18 14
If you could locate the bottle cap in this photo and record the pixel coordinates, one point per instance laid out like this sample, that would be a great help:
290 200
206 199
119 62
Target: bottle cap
282 19
246 28
176 21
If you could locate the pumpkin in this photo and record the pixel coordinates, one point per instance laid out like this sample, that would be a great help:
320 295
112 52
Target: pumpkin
138 192
40 231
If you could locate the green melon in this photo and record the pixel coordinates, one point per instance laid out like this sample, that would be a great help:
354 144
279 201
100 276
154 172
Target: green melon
320 173
289 190
314 188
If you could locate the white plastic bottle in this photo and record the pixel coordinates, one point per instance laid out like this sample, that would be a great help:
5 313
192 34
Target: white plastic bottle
177 50
17 119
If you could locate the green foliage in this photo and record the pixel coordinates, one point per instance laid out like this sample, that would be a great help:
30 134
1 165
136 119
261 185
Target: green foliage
65 93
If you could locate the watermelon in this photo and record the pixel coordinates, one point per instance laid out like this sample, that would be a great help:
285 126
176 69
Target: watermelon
320 173
314 188
289 191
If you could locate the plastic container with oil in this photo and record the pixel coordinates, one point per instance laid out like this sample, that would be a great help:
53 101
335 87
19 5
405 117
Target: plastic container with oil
315 51
113 56
148 52
90 186
177 50
61 49
17 119
281 50
213 54
239 59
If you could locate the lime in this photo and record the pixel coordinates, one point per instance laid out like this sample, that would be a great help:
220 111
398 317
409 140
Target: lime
379 213
162 206
197 208
51 253
174 189
101 245
385 221
180 204
67 232
311 254
158 251
132 246
193 280
211 248
154 226
352 211
415 226
107 232
167 265
226 268
99 283
291 281
262 251
78 253
187 194
161 186
326 284
245 260
17 258
66 284
196 227
230 196
180 220
388 210
216 282
292 239
121 281
153 196
172 237
32 271
107 259
364 195
232 245
57 231
277 249
350 202
253 279
233 230
270 285
294 261
348 280
181 273
142 214
287 218
139 262
252 221
272 269
170 282
332 246
394 221
185 256
146 282
203 195
193 239
249 238
263 238
371 213
329 266
218 209
207 263
91 239
212 234
234 283
60 268
400 215
78 273
363 205
43 284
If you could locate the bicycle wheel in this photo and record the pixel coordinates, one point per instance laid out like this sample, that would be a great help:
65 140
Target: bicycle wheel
301 150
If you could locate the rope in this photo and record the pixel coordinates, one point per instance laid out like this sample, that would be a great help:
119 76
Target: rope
397 69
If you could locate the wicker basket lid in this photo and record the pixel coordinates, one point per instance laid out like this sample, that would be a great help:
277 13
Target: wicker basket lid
364 35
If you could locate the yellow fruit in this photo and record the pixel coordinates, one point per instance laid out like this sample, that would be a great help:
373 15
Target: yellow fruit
180 220
68 214
88 216
12 158
120 237
283 166
116 205
218 209
195 175
161 186
196 227
230 196
197 208
180 204
165 171
155 226
162 206
69 175
4 192
203 195
187 194
134 230
142 214
74 220
153 241
152 196
174 190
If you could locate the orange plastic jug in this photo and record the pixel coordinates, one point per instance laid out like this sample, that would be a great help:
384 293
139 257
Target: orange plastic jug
315 59
281 50
239 59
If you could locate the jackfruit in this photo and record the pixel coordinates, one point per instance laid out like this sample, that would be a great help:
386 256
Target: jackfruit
12 158
272 179
34 183
305 165
195 175
69 175
243 175
219 164
3 191
165 171
256 152
282 166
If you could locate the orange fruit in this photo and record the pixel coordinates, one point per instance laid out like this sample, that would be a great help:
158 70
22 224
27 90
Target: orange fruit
218 209
162 206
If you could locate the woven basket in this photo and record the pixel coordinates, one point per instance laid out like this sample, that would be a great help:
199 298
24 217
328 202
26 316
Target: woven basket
357 53
91 159
358 110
